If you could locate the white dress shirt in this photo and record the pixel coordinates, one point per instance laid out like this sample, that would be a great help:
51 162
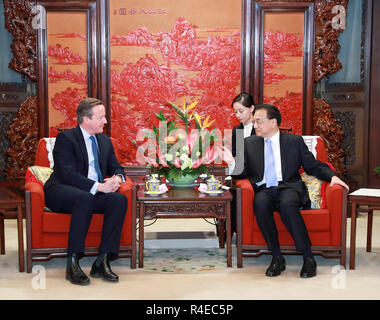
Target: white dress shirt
248 129
277 156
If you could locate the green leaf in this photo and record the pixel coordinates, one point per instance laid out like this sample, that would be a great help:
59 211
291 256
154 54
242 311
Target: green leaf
161 116
171 126
155 131
178 110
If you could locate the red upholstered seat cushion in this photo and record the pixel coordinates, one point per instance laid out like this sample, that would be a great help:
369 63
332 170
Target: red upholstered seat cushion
60 222
315 220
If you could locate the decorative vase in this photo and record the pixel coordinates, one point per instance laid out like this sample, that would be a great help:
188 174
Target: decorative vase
178 179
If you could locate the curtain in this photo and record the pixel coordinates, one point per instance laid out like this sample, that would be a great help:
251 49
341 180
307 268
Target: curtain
350 42
6 74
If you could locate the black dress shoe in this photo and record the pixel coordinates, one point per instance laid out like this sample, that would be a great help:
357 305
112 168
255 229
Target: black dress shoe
276 267
74 273
103 270
309 268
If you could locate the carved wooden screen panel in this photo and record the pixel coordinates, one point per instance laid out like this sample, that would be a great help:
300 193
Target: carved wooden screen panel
171 50
278 56
67 60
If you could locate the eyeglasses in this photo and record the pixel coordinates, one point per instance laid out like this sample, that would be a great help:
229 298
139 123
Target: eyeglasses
259 122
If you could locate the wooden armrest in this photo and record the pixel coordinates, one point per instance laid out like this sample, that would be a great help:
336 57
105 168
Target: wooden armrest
247 191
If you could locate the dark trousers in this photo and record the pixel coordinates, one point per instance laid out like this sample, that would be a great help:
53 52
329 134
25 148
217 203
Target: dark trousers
81 205
287 202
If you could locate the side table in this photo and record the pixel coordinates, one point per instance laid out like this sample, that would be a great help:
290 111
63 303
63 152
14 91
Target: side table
185 203
11 207
362 197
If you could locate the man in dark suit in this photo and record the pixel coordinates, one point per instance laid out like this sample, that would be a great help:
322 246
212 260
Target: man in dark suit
83 158
272 160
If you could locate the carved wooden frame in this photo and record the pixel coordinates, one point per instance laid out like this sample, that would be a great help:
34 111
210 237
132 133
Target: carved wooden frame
252 51
18 21
97 53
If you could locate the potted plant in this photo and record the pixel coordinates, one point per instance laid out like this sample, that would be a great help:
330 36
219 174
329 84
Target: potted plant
181 147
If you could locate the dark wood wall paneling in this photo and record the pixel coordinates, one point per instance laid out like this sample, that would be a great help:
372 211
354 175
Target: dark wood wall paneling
350 103
11 96
374 112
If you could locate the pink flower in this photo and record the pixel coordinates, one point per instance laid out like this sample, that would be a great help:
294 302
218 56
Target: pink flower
197 163
162 159
202 187
192 139
151 161
177 162
163 188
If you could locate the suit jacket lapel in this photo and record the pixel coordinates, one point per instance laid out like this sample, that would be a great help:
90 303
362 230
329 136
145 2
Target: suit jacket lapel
102 154
283 146
82 146
260 148
253 131
256 159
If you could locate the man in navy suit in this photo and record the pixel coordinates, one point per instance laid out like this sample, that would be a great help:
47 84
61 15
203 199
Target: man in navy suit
83 158
272 160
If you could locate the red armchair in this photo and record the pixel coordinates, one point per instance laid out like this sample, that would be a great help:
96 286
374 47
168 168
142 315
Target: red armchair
326 225
47 232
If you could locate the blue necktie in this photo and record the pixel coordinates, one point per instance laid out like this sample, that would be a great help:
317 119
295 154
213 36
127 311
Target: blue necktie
270 166
95 152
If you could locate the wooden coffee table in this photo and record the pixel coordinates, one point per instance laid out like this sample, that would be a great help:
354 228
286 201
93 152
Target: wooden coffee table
185 203
362 197
11 207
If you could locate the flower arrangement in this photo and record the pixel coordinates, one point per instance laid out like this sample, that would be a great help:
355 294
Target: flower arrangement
377 169
180 149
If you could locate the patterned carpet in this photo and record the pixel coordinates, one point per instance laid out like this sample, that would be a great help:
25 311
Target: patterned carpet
184 260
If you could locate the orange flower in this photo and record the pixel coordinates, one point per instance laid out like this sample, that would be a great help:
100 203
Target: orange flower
170 140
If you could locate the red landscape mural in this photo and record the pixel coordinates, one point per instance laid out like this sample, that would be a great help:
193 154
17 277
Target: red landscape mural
151 65
207 70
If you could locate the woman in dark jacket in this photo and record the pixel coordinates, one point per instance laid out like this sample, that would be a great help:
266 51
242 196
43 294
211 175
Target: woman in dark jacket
243 105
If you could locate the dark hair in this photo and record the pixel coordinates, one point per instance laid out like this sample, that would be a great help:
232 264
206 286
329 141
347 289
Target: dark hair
85 108
272 112
245 99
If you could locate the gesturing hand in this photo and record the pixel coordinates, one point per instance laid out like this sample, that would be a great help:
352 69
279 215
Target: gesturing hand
226 155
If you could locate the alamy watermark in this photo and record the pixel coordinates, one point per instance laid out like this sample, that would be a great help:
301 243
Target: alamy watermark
39 280
339 280
339 20
39 20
